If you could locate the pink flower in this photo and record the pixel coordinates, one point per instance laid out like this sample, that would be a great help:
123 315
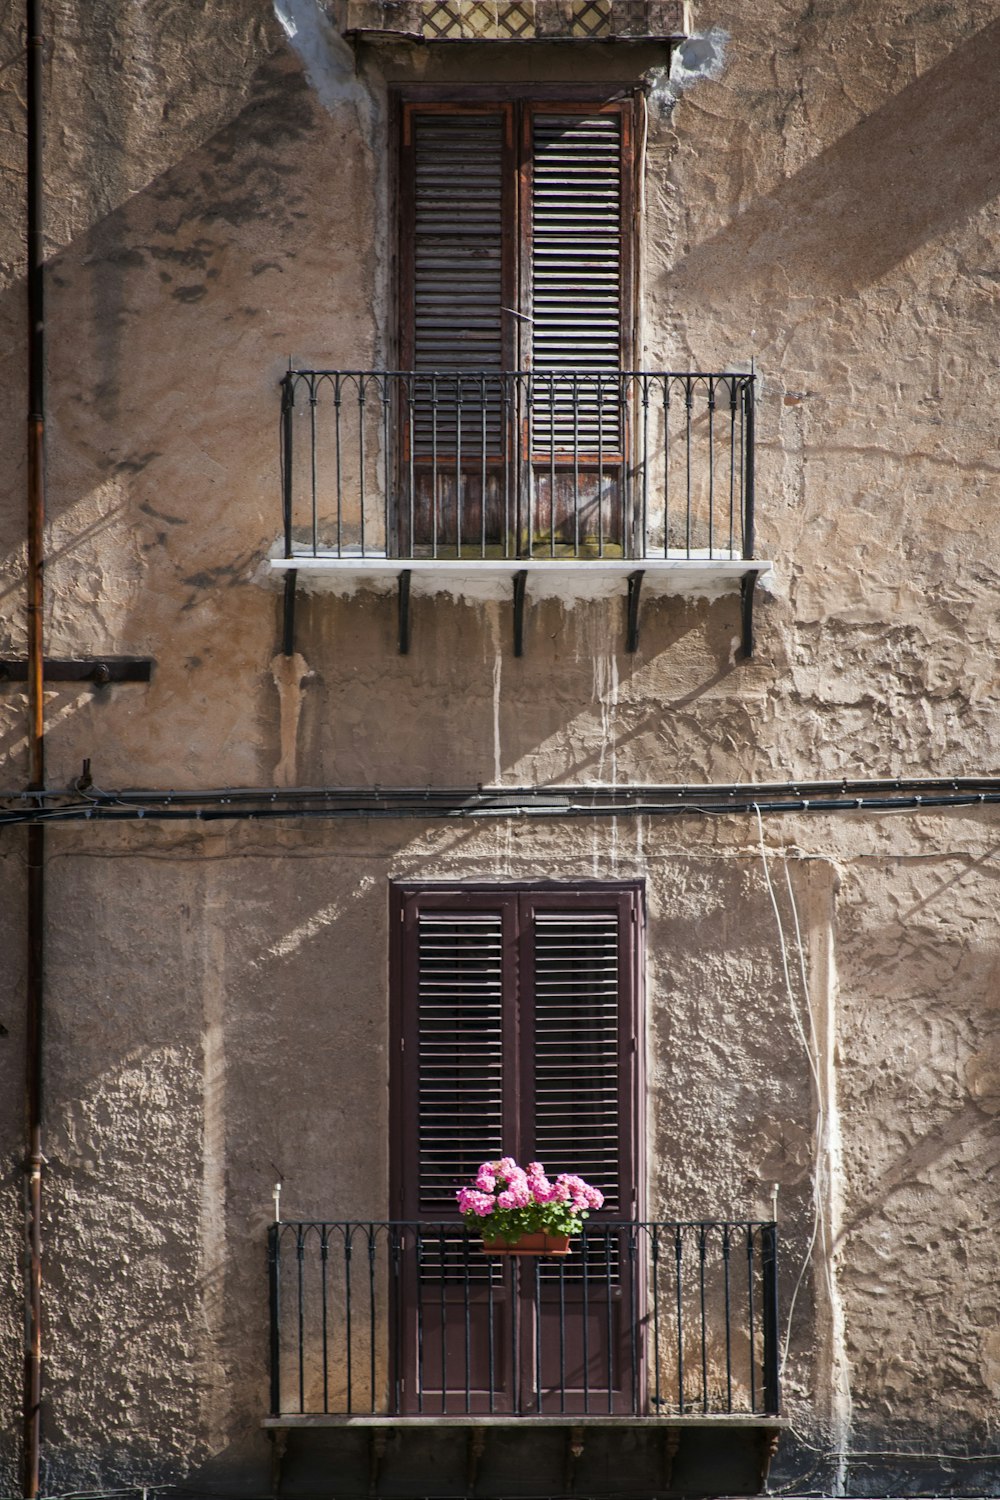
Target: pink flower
485 1179
472 1202
541 1188
506 1167
595 1198
517 1194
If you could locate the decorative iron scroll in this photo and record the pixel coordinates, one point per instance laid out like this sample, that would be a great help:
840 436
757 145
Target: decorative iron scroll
519 20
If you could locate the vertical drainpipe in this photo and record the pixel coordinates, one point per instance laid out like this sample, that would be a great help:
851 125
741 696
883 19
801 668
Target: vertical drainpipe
34 1159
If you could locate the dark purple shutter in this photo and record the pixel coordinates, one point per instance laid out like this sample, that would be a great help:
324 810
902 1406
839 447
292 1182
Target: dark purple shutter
516 1021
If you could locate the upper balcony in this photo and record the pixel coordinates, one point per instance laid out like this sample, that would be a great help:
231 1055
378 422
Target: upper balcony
579 480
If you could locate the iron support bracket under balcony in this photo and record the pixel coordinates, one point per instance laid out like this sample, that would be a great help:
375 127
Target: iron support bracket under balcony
748 584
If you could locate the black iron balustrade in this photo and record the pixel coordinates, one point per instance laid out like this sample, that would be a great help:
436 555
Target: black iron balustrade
489 465
640 1319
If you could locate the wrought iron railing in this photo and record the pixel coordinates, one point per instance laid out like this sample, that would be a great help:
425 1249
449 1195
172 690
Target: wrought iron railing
396 1319
490 465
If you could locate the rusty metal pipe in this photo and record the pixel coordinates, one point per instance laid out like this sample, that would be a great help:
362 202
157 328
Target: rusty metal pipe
34 1160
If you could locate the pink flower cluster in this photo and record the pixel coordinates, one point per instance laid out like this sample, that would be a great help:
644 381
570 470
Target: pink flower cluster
503 1184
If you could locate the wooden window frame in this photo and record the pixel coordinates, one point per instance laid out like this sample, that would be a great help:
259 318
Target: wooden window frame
518 104
409 897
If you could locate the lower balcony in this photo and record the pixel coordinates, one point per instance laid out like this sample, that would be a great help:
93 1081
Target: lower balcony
411 1362
568 482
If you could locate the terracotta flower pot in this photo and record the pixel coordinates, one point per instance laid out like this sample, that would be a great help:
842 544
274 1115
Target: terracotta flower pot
538 1243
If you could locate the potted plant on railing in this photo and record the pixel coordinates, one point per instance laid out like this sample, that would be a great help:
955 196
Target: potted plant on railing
518 1211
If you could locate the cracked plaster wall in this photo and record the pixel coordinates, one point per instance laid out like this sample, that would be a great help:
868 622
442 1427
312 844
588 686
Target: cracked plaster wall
207 217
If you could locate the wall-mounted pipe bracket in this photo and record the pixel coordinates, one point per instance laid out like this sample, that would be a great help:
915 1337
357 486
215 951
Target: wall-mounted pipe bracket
98 670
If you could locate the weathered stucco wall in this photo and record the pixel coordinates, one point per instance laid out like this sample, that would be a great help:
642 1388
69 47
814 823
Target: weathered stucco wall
826 205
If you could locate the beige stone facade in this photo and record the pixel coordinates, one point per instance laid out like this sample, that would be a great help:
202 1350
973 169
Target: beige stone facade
819 194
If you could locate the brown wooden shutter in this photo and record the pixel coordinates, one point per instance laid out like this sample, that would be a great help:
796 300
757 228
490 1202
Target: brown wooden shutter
576 241
579 1038
516 1016
458 193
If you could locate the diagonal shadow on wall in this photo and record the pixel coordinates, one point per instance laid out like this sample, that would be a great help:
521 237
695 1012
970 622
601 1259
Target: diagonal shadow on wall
918 166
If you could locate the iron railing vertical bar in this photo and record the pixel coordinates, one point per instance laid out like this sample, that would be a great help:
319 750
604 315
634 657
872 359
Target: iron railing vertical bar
728 1320
600 465
608 1323
769 1267
468 1327
411 474
324 1257
643 537
459 495
625 506
395 1239
338 456
372 1247
420 1318
711 466
435 480
748 466
442 1322
585 1252
300 1260
287 457
688 458
655 1259
387 462
751 1318
633 1324
274 1302
552 465
490 1346
362 457
702 1256
732 463
562 1337
678 1258
349 1331
313 499
537 1312
666 465
483 425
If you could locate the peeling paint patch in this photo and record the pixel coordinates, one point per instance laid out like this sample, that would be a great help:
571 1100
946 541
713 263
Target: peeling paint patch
700 57
326 57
